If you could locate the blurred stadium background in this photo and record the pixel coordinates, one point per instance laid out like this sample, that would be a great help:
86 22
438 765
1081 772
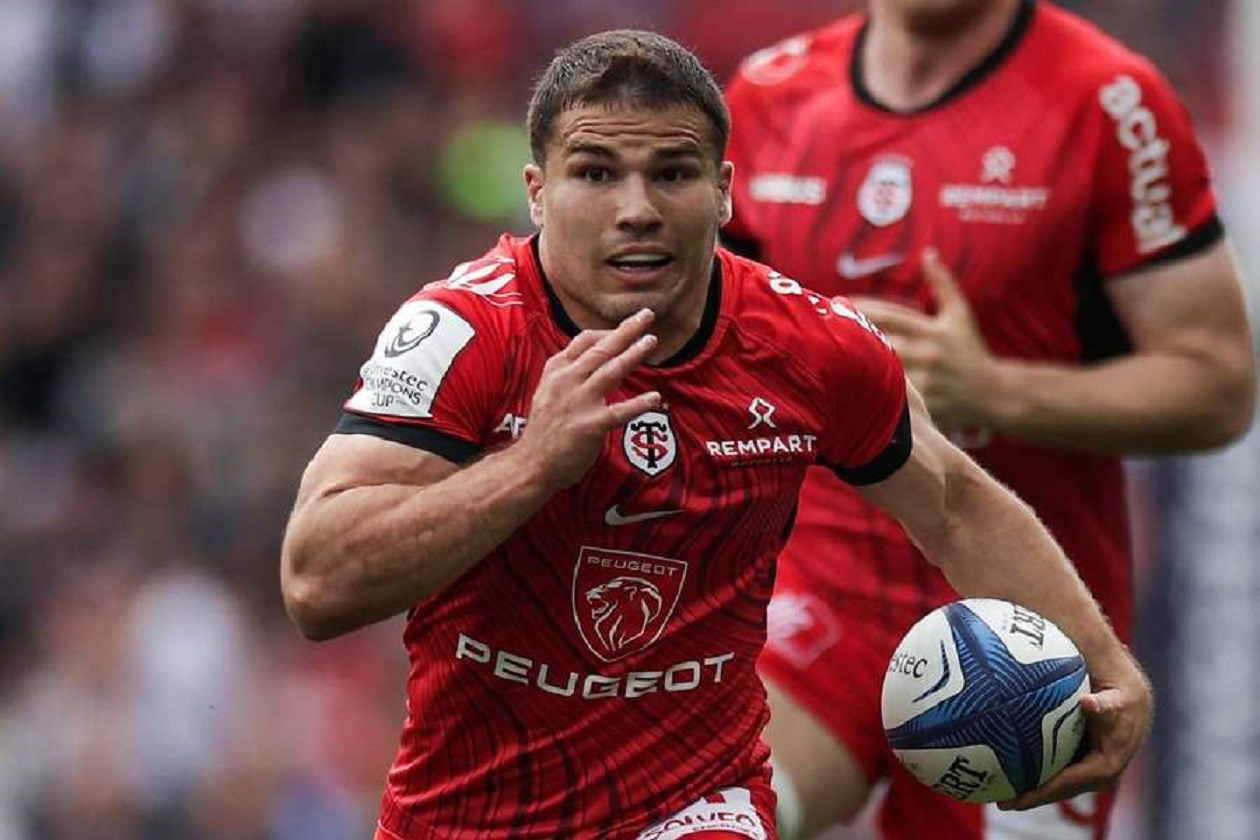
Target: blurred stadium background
207 210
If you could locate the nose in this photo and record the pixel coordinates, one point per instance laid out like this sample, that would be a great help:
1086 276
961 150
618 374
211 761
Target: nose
636 208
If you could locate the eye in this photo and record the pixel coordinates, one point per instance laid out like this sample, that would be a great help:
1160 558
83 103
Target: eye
677 173
594 174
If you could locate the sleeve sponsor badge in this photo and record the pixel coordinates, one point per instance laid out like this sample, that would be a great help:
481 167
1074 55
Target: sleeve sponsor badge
413 354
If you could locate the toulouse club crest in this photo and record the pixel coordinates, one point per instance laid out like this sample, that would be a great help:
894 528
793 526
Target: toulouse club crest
649 443
886 194
622 600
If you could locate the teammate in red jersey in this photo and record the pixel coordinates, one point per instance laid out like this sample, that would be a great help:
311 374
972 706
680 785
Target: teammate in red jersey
573 463
1020 203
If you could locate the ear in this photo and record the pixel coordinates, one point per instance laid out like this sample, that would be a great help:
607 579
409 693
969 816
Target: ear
726 175
534 182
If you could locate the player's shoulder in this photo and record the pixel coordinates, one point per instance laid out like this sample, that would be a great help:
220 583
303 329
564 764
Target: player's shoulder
799 65
1098 59
780 311
491 291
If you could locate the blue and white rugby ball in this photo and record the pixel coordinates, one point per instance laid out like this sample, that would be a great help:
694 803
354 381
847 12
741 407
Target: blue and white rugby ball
982 700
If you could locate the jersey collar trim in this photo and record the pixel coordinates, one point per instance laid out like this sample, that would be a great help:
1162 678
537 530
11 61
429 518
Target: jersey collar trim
694 346
1019 27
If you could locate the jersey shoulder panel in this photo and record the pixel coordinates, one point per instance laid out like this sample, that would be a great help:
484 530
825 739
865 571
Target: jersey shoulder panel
438 362
1152 188
799 64
1096 55
858 381
769 97
770 85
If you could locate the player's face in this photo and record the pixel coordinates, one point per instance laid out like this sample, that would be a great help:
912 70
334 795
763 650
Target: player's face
629 202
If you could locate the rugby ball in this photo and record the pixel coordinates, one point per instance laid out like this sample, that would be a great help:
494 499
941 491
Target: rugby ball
981 701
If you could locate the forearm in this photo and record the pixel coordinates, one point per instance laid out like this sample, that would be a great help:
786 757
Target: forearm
1143 404
1003 551
356 555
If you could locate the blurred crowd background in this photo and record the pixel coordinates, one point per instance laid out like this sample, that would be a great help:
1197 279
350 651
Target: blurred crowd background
208 208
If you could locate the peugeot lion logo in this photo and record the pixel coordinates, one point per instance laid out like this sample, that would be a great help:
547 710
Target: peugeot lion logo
623 610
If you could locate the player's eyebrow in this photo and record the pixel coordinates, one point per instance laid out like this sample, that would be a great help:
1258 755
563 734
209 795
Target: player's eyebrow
681 150
593 149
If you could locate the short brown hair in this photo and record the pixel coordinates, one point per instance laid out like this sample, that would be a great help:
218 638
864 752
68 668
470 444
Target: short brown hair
624 66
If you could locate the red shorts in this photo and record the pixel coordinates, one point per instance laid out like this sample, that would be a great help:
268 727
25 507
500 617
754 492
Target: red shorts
734 813
829 651
730 814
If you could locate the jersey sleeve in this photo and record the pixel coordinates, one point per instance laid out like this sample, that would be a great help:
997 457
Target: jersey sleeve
867 437
1154 200
431 380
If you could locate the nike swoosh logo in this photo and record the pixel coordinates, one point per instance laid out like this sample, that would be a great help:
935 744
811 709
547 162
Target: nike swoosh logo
852 268
614 517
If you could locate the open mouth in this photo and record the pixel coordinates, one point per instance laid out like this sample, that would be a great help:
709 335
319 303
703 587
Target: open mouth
640 262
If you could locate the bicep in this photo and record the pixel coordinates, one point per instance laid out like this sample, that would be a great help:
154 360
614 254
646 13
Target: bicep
345 462
1194 304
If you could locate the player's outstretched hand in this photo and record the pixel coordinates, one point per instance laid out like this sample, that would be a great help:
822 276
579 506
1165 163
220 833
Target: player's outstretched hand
570 414
1118 717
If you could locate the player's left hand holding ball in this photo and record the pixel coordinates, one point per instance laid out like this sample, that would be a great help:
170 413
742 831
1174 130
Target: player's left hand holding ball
1118 716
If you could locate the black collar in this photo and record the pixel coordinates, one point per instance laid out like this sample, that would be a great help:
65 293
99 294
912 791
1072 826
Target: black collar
694 345
1023 18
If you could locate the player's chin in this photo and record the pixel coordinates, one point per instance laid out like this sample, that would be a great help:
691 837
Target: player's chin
622 301
618 306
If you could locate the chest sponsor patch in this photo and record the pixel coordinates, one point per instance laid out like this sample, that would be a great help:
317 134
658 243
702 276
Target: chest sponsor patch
622 600
994 198
413 355
776 188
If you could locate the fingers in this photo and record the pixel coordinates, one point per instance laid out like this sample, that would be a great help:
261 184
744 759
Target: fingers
1116 731
896 318
913 352
1102 703
598 361
1090 773
944 284
612 372
582 342
623 412
609 344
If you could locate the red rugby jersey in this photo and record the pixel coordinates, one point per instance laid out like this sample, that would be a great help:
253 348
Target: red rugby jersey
1061 161
595 672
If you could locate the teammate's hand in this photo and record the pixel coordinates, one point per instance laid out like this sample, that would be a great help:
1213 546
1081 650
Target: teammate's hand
570 416
944 355
1118 716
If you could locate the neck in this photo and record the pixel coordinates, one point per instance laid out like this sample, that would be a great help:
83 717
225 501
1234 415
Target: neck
677 327
675 323
910 61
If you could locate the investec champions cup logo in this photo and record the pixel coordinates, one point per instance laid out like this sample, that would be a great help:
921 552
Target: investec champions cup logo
411 332
649 443
622 600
